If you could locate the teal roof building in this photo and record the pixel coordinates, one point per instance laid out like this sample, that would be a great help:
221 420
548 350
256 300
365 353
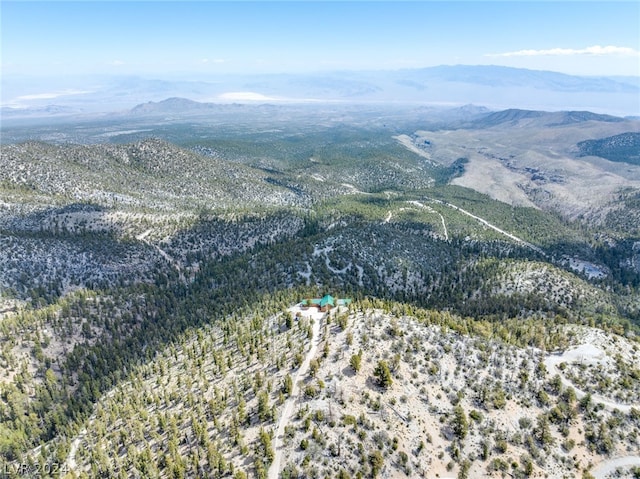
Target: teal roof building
325 303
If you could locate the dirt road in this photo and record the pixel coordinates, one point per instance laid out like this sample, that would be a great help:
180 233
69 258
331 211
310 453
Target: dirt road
288 408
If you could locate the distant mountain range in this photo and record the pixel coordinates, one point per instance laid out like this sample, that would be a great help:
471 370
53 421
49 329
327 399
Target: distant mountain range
492 86
541 118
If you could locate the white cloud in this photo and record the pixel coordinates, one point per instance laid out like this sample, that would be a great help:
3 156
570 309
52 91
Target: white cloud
595 50
245 96
51 95
248 96
212 60
117 63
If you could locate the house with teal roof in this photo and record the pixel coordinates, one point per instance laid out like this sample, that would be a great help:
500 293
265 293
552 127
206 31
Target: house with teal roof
324 304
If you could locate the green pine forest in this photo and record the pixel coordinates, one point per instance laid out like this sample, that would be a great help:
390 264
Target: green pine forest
145 331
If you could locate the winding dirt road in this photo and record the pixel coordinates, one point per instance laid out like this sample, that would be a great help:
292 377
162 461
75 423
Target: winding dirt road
585 353
609 467
287 409
431 210
493 227
591 354
143 237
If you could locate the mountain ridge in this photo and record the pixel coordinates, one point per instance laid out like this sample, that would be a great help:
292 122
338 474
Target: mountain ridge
152 268
514 116
488 85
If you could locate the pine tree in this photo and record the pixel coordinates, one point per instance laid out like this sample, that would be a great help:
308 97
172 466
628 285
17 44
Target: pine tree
383 374
460 424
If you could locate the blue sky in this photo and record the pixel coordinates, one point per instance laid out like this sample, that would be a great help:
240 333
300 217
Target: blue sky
209 37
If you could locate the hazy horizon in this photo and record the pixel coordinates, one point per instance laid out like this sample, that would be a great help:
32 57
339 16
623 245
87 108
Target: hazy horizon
211 38
80 52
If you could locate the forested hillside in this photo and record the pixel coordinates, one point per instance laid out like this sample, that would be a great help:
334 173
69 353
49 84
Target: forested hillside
149 327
